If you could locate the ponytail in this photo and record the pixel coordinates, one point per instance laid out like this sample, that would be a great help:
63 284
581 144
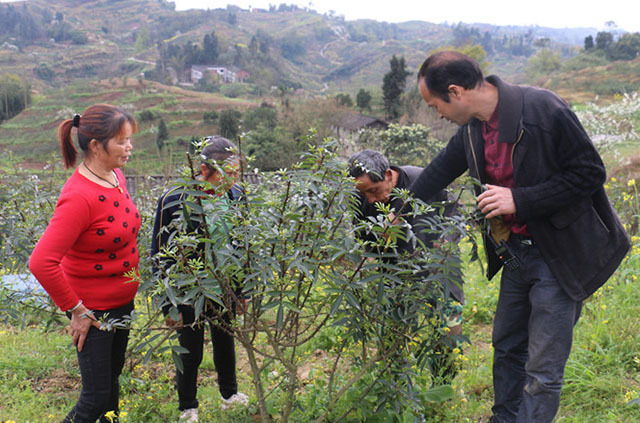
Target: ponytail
99 122
69 152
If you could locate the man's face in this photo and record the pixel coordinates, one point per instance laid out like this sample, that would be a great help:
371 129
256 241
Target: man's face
453 111
375 192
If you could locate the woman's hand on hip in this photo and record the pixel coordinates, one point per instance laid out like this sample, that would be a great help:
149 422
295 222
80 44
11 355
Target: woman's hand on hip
81 321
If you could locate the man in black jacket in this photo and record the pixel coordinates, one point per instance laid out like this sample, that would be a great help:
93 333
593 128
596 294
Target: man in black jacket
549 221
375 181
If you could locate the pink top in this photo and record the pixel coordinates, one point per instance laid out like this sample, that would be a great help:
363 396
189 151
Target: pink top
88 246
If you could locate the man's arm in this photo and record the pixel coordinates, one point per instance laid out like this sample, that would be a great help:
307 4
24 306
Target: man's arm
450 163
580 171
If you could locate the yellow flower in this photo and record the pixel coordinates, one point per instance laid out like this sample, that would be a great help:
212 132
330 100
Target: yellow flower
110 415
613 179
631 183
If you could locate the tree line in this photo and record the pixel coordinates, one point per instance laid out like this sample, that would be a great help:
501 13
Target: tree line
15 95
24 26
626 47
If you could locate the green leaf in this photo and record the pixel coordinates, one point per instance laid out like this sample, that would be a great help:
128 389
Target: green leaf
439 393
175 355
336 305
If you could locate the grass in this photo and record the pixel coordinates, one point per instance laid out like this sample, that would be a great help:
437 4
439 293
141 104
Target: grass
41 380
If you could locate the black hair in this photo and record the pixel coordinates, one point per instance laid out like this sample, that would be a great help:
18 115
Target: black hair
446 68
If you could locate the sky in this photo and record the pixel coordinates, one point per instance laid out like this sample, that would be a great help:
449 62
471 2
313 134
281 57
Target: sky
551 13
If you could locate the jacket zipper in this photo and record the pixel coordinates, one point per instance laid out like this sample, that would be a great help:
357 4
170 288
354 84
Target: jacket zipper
473 152
514 145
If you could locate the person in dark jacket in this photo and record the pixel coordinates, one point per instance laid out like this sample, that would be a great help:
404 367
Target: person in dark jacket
375 181
548 220
191 327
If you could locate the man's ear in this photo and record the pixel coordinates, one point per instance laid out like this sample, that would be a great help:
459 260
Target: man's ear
388 174
455 90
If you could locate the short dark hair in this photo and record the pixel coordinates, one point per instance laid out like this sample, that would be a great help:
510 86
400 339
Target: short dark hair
217 149
372 163
449 67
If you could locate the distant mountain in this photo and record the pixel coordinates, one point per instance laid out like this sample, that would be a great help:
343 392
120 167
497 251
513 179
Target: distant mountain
285 46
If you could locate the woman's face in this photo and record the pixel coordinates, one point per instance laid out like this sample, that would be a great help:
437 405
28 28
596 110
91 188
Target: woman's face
223 181
118 149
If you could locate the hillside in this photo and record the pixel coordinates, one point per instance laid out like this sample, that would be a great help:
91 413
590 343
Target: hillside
30 137
134 53
320 53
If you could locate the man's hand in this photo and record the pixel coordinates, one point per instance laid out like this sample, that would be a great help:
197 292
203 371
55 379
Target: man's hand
496 201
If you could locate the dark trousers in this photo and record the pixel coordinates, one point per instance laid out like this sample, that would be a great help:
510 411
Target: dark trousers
101 361
532 336
224 358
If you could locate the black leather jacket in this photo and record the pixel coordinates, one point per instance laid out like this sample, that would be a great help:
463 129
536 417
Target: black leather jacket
557 189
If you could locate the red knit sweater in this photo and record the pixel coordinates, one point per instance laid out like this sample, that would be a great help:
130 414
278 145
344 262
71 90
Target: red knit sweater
88 246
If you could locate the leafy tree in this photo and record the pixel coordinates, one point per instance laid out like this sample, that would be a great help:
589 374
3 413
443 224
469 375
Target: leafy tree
261 117
20 24
271 149
232 18
253 46
393 86
305 273
229 123
403 144
292 46
543 63
162 136
146 116
363 99
15 96
626 48
588 42
44 72
344 99
210 116
143 39
209 49
604 40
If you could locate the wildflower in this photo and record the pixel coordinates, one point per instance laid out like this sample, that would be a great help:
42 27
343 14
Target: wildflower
631 183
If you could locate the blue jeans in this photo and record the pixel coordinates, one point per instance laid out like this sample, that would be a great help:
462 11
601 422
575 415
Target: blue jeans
101 361
532 336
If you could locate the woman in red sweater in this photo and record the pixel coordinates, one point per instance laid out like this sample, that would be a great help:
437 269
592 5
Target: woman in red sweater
83 257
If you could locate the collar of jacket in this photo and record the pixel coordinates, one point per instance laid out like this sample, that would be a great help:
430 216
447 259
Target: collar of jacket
510 105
